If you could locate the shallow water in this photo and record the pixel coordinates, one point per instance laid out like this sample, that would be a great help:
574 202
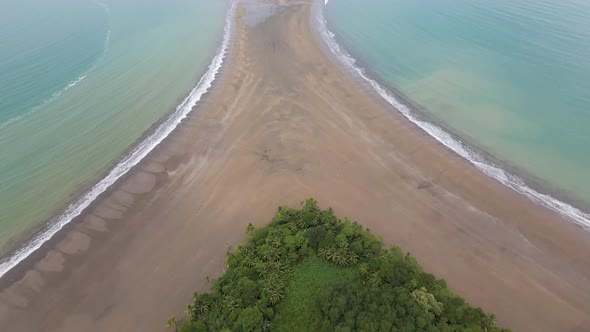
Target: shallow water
81 82
511 77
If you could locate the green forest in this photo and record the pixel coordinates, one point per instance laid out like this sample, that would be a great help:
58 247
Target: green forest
310 271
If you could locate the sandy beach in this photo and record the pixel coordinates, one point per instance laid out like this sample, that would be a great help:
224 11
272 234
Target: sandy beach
282 123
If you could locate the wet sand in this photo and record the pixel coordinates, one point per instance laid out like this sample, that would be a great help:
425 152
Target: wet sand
284 123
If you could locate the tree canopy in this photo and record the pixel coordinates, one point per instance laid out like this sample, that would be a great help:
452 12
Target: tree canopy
310 271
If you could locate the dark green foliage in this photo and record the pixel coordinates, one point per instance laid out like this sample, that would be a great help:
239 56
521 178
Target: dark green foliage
309 271
298 312
249 320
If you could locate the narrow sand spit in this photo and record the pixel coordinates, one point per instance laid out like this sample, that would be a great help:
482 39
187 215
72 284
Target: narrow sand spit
283 123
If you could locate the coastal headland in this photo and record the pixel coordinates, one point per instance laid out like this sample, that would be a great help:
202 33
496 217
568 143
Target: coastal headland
284 122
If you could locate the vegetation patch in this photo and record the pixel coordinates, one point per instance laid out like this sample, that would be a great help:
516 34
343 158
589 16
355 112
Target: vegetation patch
301 303
310 271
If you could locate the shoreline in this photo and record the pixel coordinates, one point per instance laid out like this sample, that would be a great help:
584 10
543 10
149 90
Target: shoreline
552 197
152 137
535 183
538 190
285 134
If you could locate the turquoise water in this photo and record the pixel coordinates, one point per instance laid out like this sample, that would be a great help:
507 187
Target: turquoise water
80 82
512 77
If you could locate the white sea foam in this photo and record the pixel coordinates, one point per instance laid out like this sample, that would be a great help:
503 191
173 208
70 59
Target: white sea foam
107 41
54 96
75 82
512 181
68 86
72 83
107 11
133 157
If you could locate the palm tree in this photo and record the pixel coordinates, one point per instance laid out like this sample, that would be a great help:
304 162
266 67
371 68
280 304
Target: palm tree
201 304
263 270
230 303
248 261
412 284
488 323
375 280
228 260
302 223
274 296
203 308
352 258
276 242
364 270
339 257
190 311
172 323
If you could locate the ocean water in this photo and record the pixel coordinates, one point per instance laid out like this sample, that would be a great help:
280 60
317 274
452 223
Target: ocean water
81 82
511 78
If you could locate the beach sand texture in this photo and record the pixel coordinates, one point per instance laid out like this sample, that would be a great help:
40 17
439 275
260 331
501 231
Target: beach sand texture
282 123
